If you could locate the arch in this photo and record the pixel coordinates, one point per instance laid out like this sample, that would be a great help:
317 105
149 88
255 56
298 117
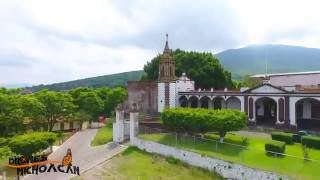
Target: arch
183 101
233 103
266 111
193 102
162 72
218 103
308 113
204 102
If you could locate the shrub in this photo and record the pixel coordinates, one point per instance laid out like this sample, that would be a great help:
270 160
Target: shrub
311 141
3 141
275 146
296 138
30 143
204 120
4 152
282 136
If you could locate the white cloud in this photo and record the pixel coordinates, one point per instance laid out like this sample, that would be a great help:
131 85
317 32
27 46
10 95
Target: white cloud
52 41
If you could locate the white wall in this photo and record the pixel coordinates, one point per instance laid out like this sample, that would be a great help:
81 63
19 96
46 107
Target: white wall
260 111
172 95
184 85
161 97
225 169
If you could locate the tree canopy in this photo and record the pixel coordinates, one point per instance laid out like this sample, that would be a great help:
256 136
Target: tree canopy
202 67
204 120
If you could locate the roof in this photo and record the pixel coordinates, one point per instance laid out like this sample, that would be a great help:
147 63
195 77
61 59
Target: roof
261 85
286 74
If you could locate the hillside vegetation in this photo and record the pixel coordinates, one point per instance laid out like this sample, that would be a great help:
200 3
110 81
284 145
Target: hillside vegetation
111 80
280 58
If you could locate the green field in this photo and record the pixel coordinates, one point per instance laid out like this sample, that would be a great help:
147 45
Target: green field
103 136
251 155
136 164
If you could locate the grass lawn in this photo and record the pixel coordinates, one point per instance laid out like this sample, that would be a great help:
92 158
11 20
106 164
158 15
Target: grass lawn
136 164
103 135
253 155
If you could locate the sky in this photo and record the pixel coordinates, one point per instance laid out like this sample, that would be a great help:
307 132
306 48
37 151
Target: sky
44 41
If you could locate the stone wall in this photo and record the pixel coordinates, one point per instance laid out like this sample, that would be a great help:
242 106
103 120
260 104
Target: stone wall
225 169
144 94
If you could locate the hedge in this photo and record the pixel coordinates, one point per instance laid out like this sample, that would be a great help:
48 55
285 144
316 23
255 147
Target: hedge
275 146
30 143
282 136
311 141
204 120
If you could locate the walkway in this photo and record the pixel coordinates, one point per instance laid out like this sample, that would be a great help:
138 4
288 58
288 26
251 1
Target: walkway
83 155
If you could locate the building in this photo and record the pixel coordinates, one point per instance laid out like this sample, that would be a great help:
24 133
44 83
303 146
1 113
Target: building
290 100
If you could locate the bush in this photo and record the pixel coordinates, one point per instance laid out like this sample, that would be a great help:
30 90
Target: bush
311 141
296 138
30 143
282 136
3 141
229 138
5 152
204 120
275 146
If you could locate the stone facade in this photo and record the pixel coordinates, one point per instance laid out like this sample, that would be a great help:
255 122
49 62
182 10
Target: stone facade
144 94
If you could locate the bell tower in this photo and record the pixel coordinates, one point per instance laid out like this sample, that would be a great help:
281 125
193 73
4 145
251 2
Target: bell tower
167 66
166 79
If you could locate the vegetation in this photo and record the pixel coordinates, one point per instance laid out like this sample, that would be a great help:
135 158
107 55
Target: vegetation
273 147
311 141
281 58
20 113
112 80
204 120
30 143
203 68
252 155
282 136
136 164
103 136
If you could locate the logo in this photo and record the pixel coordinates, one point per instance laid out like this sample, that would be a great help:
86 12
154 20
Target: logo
41 164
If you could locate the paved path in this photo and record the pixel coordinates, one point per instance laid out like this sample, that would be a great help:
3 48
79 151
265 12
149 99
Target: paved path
83 155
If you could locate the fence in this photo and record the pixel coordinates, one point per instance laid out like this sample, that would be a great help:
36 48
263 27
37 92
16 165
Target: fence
241 150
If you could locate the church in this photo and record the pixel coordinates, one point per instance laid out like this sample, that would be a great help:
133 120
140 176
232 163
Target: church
287 100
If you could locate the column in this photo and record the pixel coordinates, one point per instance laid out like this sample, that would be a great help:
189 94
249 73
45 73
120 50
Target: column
292 109
134 126
118 127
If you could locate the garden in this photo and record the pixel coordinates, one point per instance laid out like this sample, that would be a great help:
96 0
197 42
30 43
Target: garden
213 133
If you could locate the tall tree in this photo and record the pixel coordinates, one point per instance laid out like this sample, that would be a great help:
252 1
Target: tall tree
11 116
111 98
57 106
33 111
203 68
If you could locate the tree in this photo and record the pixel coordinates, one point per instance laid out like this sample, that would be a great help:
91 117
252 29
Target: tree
204 120
250 82
11 116
30 143
111 98
203 68
33 111
90 103
57 105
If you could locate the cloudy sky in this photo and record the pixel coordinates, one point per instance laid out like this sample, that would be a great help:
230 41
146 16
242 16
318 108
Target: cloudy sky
44 41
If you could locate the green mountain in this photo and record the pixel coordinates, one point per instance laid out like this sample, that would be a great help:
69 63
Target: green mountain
279 58
242 61
112 80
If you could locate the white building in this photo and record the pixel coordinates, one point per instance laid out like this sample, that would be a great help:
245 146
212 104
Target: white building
289 100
